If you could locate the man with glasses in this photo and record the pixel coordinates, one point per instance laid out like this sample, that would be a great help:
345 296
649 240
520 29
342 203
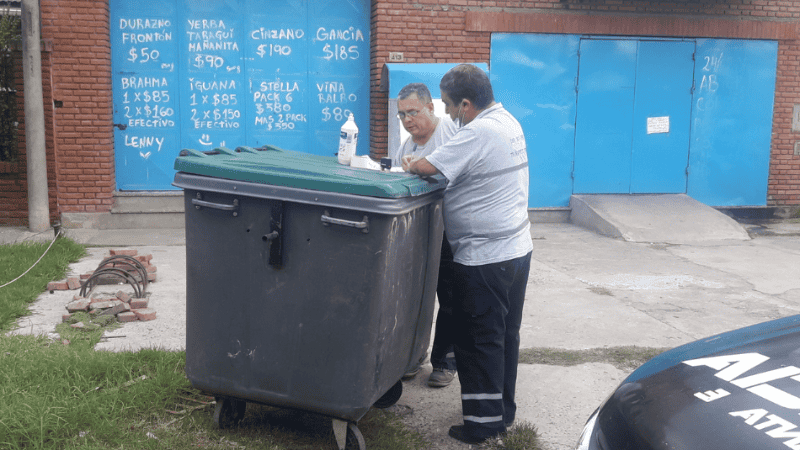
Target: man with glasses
415 111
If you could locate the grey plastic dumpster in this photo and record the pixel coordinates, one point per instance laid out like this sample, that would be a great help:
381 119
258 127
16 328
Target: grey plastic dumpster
309 285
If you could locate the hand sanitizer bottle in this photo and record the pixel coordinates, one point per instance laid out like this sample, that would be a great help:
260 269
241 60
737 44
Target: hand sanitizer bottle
348 138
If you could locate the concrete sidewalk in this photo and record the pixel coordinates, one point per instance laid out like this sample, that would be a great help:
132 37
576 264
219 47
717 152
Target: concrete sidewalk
585 291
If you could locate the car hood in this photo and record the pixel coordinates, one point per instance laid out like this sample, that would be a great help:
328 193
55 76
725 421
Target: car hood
737 390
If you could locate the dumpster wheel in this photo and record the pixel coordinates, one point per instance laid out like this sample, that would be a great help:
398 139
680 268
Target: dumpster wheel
390 397
228 412
348 436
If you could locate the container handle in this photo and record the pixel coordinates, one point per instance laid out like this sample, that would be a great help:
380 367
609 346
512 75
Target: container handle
198 203
275 237
328 220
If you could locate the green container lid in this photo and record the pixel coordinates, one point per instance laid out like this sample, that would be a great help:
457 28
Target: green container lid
278 167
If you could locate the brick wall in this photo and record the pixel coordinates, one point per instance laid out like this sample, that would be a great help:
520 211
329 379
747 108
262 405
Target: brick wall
429 31
83 134
784 169
76 72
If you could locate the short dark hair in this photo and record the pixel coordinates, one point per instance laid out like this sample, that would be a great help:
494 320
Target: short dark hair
415 88
466 81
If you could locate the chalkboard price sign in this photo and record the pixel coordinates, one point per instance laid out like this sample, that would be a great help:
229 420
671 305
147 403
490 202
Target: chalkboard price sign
200 75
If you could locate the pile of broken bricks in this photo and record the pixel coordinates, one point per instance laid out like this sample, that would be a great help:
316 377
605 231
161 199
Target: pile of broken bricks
119 304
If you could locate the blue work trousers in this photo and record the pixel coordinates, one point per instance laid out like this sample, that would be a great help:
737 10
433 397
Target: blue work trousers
488 316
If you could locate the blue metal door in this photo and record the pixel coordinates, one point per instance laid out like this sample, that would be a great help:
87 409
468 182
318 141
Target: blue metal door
194 74
606 80
732 121
661 116
533 75
624 129
632 125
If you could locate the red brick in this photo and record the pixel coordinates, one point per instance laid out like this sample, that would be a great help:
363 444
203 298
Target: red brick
126 252
102 305
86 276
127 317
151 269
66 317
145 259
73 283
151 277
116 309
139 303
145 314
124 296
78 305
57 286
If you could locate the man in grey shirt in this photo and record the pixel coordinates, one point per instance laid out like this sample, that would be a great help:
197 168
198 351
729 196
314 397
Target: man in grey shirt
486 222
415 111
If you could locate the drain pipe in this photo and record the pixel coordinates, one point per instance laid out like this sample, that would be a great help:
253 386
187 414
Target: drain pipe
38 202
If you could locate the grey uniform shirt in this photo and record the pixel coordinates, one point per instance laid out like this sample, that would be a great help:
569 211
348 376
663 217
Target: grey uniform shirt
445 129
486 199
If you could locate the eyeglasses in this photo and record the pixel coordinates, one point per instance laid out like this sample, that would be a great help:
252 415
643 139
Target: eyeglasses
402 114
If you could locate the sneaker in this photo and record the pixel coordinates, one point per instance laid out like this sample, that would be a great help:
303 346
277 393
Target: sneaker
441 377
411 373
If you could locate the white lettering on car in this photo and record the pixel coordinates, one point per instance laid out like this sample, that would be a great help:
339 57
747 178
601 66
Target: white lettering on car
731 368
741 364
783 430
710 396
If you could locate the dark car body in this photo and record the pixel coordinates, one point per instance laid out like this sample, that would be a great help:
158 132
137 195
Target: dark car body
736 390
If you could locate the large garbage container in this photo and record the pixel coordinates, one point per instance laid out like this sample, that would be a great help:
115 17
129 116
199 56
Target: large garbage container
309 284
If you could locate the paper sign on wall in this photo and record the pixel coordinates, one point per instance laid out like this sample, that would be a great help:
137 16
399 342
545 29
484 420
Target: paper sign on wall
658 125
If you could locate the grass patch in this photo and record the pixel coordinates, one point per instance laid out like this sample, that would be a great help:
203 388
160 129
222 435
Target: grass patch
624 358
522 436
63 396
91 332
72 397
15 259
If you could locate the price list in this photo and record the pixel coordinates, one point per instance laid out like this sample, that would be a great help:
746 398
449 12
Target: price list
207 74
146 102
213 85
145 99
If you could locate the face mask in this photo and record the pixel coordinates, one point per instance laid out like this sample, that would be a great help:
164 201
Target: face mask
459 118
